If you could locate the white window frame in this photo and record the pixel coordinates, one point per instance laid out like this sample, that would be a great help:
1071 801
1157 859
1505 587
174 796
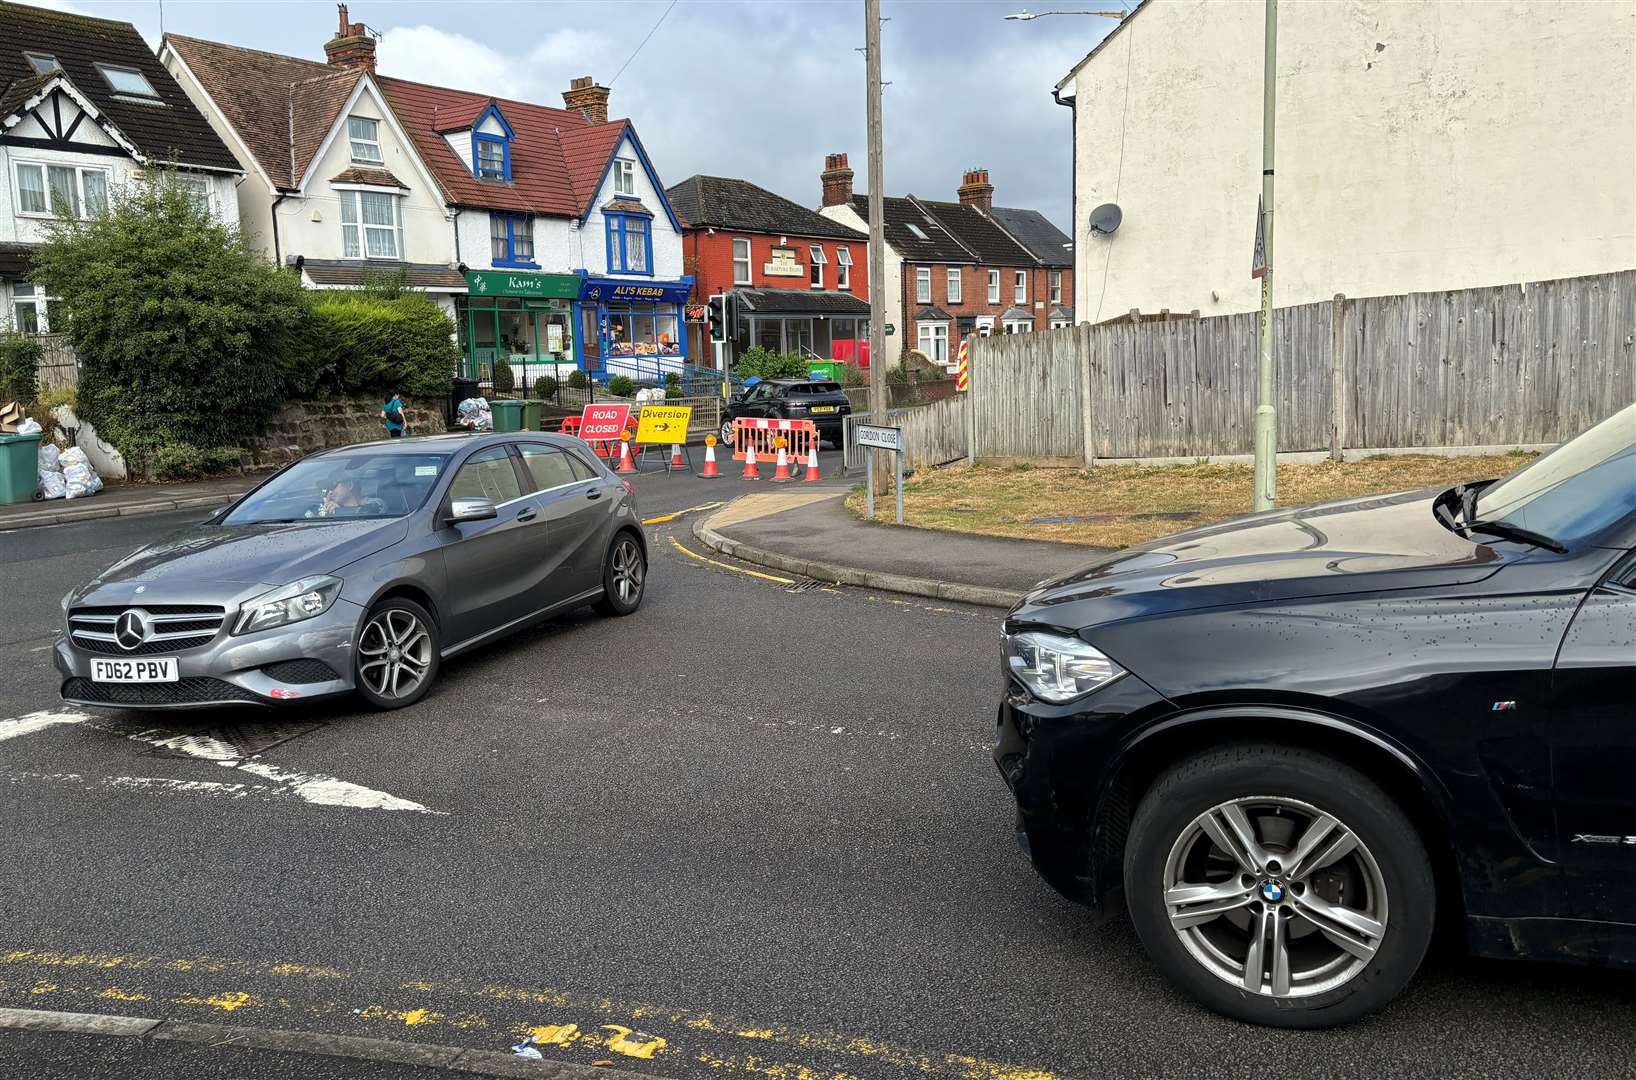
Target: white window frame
150 94
361 230
186 181
843 267
1021 292
746 279
994 286
815 269
1056 286
45 168
927 340
35 59
624 176
39 300
1017 326
923 284
953 284
1060 324
354 142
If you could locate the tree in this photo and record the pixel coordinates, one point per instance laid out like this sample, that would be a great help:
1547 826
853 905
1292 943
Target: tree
185 335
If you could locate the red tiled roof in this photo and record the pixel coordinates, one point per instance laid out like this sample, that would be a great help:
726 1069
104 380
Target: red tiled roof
557 156
377 177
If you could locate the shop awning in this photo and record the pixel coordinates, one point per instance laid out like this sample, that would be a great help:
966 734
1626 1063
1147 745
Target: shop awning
799 302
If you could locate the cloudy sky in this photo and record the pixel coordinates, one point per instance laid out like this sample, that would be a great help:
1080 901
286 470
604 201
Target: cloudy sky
759 90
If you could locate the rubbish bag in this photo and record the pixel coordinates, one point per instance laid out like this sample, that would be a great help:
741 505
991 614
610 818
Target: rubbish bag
50 457
52 484
474 413
30 426
80 477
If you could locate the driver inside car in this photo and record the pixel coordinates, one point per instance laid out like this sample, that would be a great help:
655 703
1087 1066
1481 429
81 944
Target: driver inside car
343 500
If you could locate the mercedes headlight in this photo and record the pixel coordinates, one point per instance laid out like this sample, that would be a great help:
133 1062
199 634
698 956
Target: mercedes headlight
294 602
1055 668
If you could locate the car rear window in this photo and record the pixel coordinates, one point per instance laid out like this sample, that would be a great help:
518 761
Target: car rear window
815 388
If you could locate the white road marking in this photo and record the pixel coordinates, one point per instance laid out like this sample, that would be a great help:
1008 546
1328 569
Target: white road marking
199 746
328 791
38 721
153 784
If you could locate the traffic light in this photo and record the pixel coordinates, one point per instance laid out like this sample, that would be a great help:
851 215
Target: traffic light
718 317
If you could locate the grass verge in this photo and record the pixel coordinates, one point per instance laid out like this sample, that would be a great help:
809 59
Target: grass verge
1119 505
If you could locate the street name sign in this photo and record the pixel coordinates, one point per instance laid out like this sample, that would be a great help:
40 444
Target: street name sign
663 423
881 438
603 421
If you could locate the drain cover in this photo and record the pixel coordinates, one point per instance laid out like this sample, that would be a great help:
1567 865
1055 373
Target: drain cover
804 585
222 742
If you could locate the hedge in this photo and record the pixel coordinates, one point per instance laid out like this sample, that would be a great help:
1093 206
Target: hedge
365 341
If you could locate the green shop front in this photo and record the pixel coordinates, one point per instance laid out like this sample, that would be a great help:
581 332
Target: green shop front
525 319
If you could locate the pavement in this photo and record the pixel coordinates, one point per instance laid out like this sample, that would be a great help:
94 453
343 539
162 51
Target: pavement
122 499
751 832
813 534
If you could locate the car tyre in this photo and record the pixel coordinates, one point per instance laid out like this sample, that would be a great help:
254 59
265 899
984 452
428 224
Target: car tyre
727 432
398 640
1384 881
624 576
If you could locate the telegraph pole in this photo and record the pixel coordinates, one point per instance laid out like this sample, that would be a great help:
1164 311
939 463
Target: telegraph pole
877 238
1266 411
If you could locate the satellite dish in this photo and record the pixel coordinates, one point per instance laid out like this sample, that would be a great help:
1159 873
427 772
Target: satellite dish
1105 219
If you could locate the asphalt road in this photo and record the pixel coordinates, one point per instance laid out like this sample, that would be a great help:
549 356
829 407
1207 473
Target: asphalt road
746 832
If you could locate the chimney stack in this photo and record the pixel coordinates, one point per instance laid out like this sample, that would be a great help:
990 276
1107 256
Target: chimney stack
351 47
837 180
976 191
588 99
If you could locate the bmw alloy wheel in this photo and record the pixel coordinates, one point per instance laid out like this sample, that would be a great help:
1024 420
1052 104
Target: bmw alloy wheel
1274 896
394 654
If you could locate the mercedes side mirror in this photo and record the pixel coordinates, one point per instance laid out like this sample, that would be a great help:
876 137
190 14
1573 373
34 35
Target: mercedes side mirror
463 510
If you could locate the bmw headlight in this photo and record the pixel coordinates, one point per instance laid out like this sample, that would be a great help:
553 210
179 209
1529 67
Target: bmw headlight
1055 668
294 602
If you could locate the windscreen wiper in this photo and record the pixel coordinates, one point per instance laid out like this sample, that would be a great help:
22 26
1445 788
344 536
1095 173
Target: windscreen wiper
1516 532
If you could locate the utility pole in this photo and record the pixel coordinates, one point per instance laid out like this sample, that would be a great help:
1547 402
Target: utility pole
1266 411
877 239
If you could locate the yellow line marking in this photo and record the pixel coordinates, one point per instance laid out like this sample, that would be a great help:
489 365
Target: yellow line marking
225 1002
690 510
677 544
555 1034
113 993
642 1046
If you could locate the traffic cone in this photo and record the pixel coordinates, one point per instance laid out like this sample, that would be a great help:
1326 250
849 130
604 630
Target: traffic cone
782 471
676 461
750 471
812 463
709 470
626 465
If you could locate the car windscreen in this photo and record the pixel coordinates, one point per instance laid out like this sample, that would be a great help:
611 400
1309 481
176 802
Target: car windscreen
1577 490
812 388
353 485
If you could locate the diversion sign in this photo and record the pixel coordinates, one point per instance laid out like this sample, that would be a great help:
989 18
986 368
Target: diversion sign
663 423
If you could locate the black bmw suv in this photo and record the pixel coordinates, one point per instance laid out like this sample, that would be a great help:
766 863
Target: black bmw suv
1294 740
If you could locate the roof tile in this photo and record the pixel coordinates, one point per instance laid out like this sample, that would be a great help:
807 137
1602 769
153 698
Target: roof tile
738 204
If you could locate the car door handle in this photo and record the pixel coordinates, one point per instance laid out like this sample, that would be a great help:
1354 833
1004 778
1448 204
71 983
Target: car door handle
527 514
594 493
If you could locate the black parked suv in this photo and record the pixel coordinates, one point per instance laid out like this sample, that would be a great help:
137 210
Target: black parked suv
1292 741
821 401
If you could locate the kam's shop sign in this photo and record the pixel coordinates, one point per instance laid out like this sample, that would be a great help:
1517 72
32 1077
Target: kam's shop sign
516 283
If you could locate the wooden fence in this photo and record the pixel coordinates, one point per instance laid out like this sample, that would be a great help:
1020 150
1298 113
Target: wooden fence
59 367
1512 365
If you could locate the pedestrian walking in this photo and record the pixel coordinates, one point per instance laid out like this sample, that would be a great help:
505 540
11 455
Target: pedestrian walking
392 415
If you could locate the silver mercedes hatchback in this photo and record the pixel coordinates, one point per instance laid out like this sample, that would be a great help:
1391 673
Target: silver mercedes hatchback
357 569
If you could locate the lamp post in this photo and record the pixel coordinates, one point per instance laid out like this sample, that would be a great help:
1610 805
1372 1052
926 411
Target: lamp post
1266 409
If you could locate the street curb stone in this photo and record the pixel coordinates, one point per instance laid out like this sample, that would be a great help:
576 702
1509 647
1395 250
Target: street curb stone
423 1055
92 513
981 595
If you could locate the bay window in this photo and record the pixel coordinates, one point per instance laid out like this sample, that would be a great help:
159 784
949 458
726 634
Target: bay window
365 136
630 247
994 286
48 190
741 261
511 240
816 266
370 225
954 284
923 284
843 267
934 341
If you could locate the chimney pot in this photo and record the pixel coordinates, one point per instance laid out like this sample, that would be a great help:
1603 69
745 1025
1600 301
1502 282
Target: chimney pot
837 180
588 99
351 47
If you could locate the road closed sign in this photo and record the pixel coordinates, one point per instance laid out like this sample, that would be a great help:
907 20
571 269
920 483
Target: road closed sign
603 421
663 423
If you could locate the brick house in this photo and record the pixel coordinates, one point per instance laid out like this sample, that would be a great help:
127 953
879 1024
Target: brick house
957 268
795 281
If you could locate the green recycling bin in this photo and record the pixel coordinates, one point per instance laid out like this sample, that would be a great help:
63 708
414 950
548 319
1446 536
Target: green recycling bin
19 467
824 369
508 415
531 415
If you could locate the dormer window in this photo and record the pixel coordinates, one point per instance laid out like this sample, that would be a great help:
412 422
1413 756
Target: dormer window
41 62
491 157
365 136
624 176
127 82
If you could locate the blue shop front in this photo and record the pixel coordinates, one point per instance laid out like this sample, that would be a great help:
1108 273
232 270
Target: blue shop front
633 328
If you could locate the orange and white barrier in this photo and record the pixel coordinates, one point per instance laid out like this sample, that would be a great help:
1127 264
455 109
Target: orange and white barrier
801 437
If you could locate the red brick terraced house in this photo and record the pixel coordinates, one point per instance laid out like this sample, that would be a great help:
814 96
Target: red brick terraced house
795 281
957 268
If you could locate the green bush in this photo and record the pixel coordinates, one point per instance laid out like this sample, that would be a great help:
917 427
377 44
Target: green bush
674 392
180 461
504 378
577 379
366 341
672 378
545 387
898 373
769 365
184 332
621 386
19 368
854 375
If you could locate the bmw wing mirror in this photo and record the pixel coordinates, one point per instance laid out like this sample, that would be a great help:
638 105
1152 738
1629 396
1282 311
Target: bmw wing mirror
462 510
